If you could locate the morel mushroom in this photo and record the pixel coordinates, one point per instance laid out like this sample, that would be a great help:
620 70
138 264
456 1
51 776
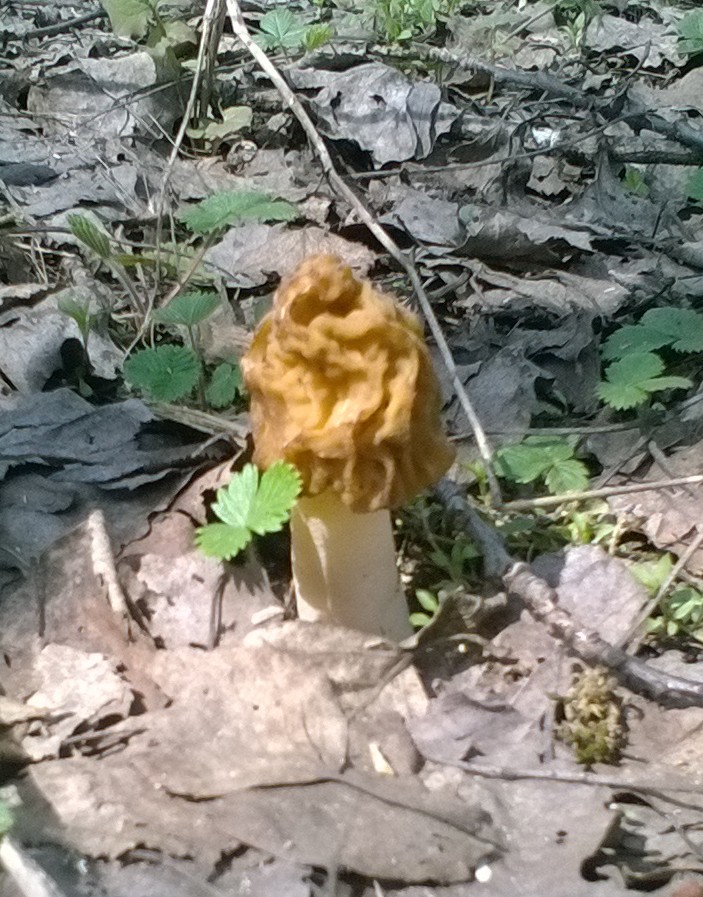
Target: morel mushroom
342 386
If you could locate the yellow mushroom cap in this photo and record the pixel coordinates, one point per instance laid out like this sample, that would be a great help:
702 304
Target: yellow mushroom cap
342 386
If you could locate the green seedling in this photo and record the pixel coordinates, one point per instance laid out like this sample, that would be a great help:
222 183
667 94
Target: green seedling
171 373
547 458
80 313
429 603
681 615
251 504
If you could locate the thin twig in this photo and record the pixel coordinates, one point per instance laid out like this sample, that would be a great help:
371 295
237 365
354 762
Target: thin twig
342 188
548 501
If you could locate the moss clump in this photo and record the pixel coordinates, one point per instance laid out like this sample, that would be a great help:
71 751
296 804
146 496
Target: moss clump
592 718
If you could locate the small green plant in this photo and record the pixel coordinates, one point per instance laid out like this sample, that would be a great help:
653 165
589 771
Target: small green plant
400 20
80 313
637 371
547 458
161 29
211 133
170 373
281 30
630 381
251 504
166 373
430 605
681 615
633 181
691 32
224 209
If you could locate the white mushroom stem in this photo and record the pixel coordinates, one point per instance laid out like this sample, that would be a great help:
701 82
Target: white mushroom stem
344 567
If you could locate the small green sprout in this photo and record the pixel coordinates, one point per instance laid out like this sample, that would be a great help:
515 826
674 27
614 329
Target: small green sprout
251 504
545 458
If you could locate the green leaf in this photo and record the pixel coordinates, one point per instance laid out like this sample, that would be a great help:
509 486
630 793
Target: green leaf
167 373
695 185
427 600
278 489
567 476
651 574
221 540
90 235
632 338
78 311
682 327
224 209
281 29
234 119
6 819
224 385
129 18
317 36
250 504
634 181
188 309
418 620
630 380
532 458
691 31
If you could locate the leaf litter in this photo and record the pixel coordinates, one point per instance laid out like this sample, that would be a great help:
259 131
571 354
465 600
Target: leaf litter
205 745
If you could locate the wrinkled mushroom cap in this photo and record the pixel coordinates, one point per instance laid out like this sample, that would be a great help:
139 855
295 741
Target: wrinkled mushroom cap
342 386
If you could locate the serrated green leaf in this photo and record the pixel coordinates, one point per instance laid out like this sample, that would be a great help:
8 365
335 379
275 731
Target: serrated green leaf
632 338
188 309
220 540
90 235
630 380
129 18
225 383
279 487
682 327
250 504
570 475
532 458
281 29
224 209
234 501
167 373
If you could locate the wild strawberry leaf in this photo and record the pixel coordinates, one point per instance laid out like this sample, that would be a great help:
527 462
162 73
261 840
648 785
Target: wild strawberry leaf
225 383
683 327
250 504
630 381
167 373
223 209
280 29
188 309
90 235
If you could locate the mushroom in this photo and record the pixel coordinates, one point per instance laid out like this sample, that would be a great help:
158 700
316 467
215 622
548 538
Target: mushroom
342 386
